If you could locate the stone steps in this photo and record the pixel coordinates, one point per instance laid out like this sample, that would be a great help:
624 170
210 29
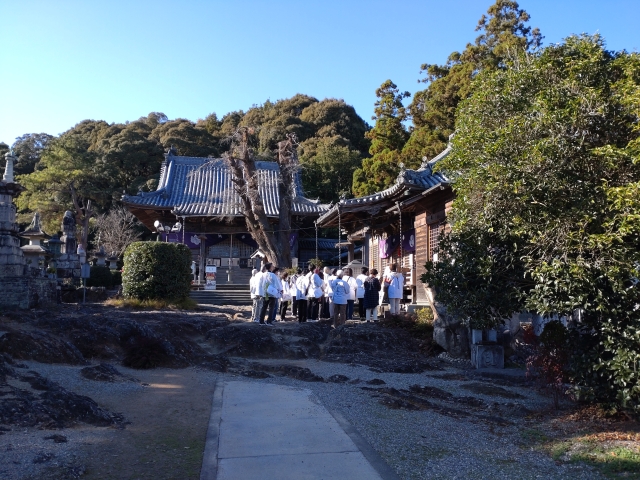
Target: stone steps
230 297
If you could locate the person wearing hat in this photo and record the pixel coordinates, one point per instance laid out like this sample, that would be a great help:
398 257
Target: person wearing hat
340 296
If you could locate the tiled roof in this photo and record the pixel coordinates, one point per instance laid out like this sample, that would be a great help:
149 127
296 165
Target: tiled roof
422 179
323 243
195 186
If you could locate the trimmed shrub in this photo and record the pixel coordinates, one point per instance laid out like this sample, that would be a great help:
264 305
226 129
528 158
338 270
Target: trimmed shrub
156 270
100 277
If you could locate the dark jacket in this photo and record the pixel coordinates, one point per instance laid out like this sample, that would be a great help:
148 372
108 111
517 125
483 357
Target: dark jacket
371 289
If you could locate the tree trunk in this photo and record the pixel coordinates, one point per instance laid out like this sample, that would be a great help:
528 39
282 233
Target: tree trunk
272 239
83 213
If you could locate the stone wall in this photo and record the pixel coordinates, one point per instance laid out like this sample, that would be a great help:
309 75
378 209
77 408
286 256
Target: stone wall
26 292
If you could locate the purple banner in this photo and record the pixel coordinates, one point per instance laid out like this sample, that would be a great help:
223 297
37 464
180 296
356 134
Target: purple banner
387 246
409 241
382 248
292 239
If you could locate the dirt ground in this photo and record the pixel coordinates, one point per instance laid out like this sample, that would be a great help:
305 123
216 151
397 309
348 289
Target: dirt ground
70 407
165 439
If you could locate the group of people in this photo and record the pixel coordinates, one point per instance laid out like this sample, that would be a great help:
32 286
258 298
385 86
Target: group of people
314 293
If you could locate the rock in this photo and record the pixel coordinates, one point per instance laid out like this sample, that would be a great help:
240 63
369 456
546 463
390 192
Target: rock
43 457
254 374
449 331
55 407
252 340
217 363
338 379
57 438
490 390
376 381
104 373
41 347
291 371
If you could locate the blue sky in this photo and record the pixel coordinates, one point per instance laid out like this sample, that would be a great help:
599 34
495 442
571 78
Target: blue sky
64 61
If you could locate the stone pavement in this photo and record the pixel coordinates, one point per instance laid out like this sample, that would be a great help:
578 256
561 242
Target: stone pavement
266 431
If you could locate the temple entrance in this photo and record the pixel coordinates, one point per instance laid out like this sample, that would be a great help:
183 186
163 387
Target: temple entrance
231 256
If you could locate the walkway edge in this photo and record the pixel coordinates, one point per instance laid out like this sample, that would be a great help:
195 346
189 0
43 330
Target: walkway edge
373 457
209 470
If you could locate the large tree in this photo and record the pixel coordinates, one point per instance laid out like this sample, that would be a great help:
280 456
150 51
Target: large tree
546 169
503 30
28 149
70 178
272 238
327 168
388 136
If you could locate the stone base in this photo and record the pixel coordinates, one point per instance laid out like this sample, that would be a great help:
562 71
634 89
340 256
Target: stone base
453 337
487 356
26 292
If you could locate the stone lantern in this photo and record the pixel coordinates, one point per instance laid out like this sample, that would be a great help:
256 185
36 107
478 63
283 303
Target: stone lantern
113 262
35 252
100 257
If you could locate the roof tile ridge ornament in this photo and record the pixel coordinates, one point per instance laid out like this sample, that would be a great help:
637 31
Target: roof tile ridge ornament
8 171
402 175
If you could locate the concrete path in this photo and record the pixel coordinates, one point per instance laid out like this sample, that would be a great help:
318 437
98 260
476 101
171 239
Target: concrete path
266 431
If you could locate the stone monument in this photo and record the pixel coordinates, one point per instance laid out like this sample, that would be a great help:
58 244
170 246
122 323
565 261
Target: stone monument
18 287
68 264
35 253
12 260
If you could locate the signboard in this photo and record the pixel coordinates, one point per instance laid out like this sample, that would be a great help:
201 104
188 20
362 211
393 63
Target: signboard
210 277
85 270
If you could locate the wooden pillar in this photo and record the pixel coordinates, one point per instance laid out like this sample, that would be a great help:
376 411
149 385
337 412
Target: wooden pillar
203 254
350 255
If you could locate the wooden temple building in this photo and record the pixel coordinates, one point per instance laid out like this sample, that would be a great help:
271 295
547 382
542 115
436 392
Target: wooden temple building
401 224
196 204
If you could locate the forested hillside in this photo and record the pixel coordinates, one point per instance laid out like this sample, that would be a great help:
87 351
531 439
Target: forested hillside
97 162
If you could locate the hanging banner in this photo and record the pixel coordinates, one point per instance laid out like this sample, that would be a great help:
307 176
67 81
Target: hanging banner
292 239
388 246
382 248
409 241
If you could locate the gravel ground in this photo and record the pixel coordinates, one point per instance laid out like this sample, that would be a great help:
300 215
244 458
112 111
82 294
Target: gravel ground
417 444
425 444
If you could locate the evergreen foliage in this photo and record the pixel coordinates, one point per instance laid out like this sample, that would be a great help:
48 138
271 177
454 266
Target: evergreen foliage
156 270
388 136
546 173
503 31
104 160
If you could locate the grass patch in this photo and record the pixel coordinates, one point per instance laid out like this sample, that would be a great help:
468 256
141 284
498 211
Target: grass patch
614 461
157 304
533 435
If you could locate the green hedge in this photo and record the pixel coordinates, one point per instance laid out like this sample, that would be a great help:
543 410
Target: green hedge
156 270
